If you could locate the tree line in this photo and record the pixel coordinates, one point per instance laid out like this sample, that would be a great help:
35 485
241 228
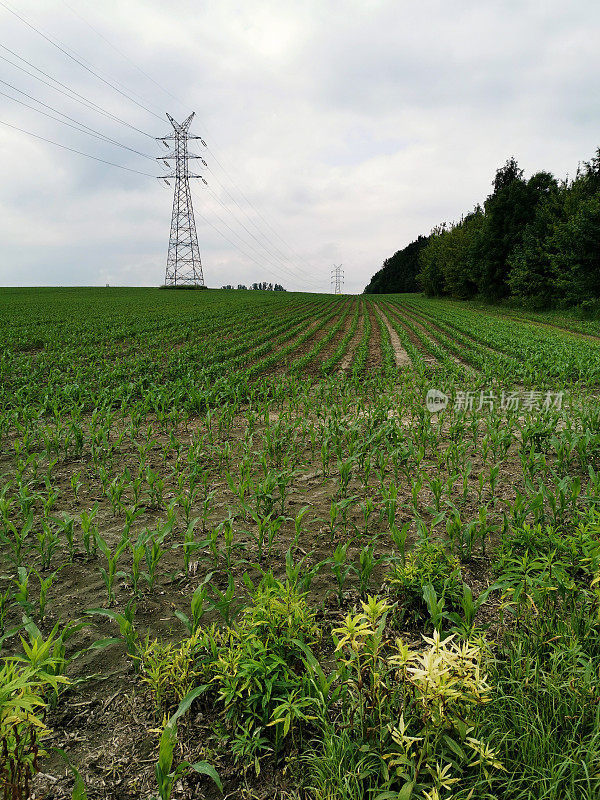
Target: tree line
535 239
262 286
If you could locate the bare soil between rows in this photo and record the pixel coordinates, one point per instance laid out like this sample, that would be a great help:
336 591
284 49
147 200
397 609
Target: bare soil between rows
106 721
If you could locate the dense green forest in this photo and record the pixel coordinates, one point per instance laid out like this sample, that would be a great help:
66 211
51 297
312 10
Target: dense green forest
399 273
536 240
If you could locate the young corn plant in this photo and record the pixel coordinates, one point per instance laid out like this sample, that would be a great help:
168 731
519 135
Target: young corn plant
153 552
192 623
225 602
125 621
76 484
345 471
399 537
48 542
17 538
66 527
89 531
367 562
299 574
110 573
186 500
156 489
298 523
341 569
21 594
189 545
45 584
166 776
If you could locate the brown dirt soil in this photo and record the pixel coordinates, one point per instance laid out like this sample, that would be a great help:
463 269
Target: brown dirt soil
417 343
419 322
282 366
375 357
400 354
314 367
348 356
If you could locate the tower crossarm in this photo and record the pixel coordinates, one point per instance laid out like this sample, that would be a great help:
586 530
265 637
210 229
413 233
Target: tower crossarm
178 155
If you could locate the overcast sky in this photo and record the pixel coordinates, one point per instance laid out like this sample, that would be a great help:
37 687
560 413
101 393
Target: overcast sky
345 128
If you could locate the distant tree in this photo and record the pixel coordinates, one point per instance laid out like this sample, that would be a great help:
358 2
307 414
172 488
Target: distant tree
459 266
532 274
507 211
534 240
505 176
431 276
398 273
576 238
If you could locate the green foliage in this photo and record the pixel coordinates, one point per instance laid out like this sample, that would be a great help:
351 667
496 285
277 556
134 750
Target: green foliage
279 614
413 709
23 699
398 273
543 717
170 669
166 776
428 565
534 239
258 668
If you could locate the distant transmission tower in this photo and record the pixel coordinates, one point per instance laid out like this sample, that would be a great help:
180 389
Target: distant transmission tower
337 278
183 261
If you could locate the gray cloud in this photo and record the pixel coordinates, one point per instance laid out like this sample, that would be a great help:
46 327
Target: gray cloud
350 127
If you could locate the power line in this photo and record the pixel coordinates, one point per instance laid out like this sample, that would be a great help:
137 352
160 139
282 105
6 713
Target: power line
260 264
260 244
278 254
274 269
298 258
78 126
81 63
77 97
249 202
120 52
72 149
280 271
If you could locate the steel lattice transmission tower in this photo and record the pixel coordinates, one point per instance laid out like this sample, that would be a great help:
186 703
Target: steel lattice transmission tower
337 278
183 261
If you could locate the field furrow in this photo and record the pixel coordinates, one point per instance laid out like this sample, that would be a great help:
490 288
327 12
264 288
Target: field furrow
349 354
261 515
400 355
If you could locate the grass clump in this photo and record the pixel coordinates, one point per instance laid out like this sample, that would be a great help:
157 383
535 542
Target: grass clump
404 725
429 564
